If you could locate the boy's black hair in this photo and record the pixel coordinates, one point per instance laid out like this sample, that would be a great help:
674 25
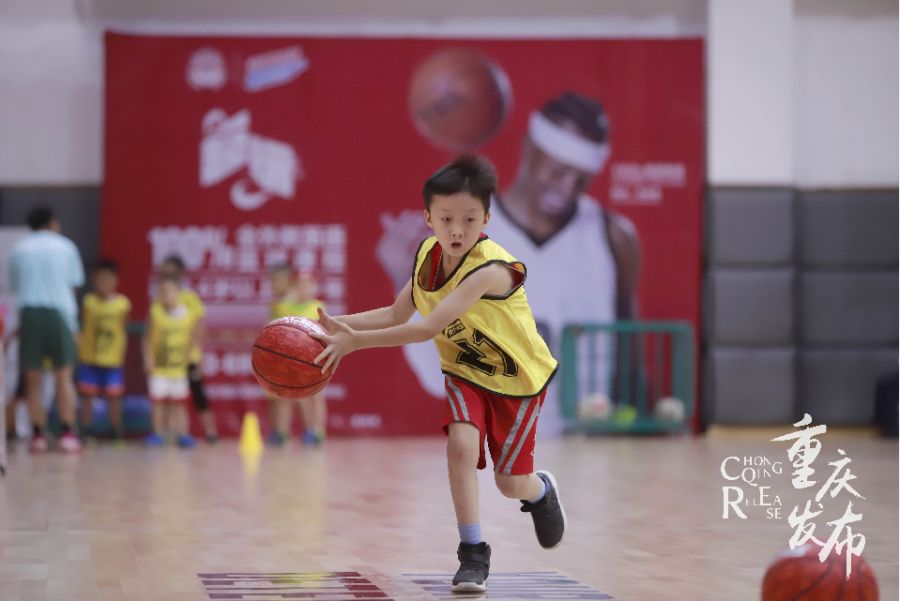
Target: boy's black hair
469 173
175 261
107 264
39 218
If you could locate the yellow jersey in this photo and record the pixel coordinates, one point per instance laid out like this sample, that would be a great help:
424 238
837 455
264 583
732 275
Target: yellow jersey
288 306
495 345
191 300
171 333
103 335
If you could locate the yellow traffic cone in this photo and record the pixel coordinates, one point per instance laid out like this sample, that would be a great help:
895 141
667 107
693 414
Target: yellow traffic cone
251 444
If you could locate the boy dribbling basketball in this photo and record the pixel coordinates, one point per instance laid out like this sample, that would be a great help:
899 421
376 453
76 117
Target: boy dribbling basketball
471 295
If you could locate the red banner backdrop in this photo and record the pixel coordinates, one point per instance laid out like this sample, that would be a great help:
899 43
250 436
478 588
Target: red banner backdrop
240 152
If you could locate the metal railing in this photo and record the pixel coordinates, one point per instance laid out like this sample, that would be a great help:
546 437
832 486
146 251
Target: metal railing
628 377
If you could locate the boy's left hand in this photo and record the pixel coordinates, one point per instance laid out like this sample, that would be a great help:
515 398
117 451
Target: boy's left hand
338 342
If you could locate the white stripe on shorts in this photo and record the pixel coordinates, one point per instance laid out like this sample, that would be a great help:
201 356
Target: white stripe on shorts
455 391
523 409
515 454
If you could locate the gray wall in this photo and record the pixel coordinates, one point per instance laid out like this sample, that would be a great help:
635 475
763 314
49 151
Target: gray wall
78 209
801 304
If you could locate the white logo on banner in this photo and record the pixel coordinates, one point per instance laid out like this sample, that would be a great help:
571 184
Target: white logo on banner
275 68
228 146
206 70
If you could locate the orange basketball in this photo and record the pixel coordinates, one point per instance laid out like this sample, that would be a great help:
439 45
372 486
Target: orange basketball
798 575
459 98
283 358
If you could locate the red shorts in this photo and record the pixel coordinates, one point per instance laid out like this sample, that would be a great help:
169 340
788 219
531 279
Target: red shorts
508 424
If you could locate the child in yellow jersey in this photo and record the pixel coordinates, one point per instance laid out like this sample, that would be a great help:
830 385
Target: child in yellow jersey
173 266
171 335
470 292
101 348
295 295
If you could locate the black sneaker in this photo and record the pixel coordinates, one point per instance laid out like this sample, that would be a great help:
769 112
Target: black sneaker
548 514
474 565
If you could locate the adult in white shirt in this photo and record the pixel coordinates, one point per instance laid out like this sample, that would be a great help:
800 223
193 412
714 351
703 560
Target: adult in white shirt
44 270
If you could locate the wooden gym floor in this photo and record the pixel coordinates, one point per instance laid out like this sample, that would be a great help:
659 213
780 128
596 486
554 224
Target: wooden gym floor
373 518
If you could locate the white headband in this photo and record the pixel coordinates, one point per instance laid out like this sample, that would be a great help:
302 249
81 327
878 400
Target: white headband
566 146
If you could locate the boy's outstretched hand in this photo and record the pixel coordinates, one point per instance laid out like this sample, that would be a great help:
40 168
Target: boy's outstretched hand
338 342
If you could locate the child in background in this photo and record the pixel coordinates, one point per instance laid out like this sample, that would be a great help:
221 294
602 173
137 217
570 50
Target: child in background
171 335
173 266
101 348
295 295
17 397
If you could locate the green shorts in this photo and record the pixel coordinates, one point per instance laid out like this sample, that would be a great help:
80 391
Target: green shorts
43 334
